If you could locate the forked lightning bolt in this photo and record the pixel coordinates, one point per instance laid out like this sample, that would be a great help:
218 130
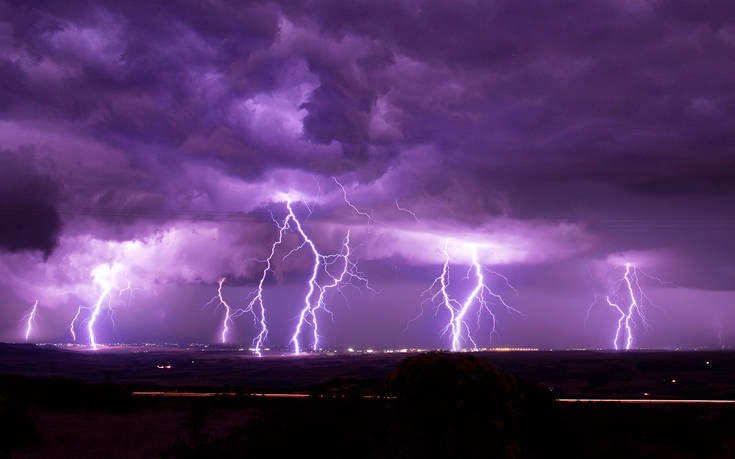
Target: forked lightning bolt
257 295
320 264
477 295
348 273
633 295
320 281
102 275
457 312
432 292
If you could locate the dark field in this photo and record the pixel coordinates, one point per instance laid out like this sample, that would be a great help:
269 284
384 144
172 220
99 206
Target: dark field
702 374
62 403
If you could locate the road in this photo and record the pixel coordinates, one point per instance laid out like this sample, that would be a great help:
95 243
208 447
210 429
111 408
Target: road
561 400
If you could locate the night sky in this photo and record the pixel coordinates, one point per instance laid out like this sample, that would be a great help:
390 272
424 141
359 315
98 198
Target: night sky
155 142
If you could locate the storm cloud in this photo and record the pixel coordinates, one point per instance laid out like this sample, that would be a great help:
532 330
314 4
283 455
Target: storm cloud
566 138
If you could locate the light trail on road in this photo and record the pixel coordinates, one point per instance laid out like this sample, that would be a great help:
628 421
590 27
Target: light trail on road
301 395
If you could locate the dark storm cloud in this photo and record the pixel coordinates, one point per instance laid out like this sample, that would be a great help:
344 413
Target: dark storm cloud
567 133
523 99
29 220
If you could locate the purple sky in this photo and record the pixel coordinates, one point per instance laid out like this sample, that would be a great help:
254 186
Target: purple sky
562 138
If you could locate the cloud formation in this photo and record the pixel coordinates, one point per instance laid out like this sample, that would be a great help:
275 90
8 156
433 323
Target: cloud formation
553 134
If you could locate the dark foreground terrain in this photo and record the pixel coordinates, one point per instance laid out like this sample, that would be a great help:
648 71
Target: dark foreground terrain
60 403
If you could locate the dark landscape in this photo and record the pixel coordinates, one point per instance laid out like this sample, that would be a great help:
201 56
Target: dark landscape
74 403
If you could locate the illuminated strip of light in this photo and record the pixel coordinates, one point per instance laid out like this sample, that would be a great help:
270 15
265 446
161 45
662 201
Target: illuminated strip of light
638 400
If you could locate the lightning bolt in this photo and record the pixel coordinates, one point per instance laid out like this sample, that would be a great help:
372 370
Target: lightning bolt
315 298
257 295
408 211
432 293
102 276
74 321
321 264
348 273
478 295
347 201
621 321
628 289
30 317
227 319
307 308
95 313
456 325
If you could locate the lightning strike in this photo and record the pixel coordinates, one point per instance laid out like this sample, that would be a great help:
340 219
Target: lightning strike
621 321
30 318
347 201
348 273
321 264
104 276
450 304
312 280
456 325
227 319
73 322
257 300
478 295
320 282
628 290
106 288
408 211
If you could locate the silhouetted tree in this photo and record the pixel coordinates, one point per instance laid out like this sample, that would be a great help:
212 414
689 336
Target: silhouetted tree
446 406
452 405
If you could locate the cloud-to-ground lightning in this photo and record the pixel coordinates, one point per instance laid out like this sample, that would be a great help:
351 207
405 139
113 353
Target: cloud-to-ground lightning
321 264
456 324
349 203
103 276
321 280
257 294
74 322
307 308
477 295
621 322
348 273
30 317
628 292
432 292
230 312
106 286
227 319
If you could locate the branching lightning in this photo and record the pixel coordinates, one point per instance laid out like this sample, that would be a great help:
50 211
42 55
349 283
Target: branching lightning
257 295
456 325
321 264
104 276
477 295
30 317
628 291
348 273
322 279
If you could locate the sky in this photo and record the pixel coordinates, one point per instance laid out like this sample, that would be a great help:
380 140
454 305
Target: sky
155 146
